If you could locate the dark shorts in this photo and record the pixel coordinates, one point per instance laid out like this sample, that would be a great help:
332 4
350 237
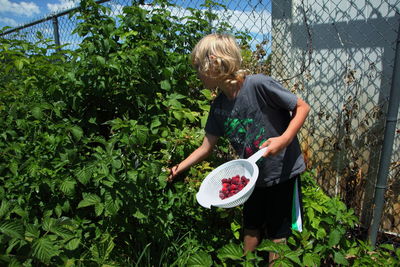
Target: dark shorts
269 209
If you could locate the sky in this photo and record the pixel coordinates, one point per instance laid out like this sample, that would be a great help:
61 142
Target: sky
14 13
253 16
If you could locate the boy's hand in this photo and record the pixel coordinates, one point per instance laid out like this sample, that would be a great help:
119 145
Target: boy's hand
173 173
274 144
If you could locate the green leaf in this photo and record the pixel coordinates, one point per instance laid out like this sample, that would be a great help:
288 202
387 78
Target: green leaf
14 168
111 205
139 215
132 175
14 263
73 244
310 260
282 262
200 259
141 133
57 226
102 249
190 115
98 208
235 227
334 238
18 210
176 96
32 231
154 124
14 242
19 64
68 187
116 163
268 245
12 228
339 258
207 93
44 249
165 85
321 233
310 215
162 180
230 251
178 115
104 168
47 223
84 175
203 120
101 60
76 132
37 113
4 207
294 256
89 200
387 246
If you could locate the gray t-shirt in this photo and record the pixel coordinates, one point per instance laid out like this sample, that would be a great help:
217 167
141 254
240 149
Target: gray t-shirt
261 110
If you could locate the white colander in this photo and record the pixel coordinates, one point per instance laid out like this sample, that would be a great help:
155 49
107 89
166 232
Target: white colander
208 194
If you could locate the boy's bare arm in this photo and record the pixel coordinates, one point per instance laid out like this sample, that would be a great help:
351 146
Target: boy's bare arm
276 144
198 155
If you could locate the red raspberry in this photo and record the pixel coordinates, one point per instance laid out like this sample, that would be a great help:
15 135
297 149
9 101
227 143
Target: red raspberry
231 186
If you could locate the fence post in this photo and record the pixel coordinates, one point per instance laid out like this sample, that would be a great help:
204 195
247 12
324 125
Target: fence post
55 31
386 153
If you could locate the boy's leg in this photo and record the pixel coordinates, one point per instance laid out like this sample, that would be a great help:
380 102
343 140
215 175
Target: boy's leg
251 239
254 213
271 206
279 223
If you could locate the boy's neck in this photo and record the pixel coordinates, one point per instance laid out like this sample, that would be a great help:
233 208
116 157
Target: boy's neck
231 91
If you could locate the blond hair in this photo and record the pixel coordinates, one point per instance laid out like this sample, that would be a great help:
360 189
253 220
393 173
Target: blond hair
218 55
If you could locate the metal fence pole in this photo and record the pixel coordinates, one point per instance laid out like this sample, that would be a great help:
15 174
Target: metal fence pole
56 32
387 148
62 13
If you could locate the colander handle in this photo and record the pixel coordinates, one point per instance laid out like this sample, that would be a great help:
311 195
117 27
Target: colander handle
256 156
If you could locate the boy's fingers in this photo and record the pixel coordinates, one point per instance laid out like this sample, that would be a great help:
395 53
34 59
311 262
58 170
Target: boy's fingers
266 153
172 174
266 143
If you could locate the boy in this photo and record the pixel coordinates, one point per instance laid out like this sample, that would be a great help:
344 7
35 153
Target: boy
252 111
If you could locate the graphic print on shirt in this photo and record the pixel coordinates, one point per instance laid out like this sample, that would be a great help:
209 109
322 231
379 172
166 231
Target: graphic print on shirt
244 136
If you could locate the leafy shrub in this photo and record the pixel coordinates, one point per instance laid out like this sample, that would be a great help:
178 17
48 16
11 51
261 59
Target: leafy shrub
324 241
86 138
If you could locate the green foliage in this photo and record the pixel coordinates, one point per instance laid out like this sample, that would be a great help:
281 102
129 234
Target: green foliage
324 240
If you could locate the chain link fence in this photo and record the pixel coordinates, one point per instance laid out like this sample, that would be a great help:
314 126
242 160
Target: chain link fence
338 56
343 55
